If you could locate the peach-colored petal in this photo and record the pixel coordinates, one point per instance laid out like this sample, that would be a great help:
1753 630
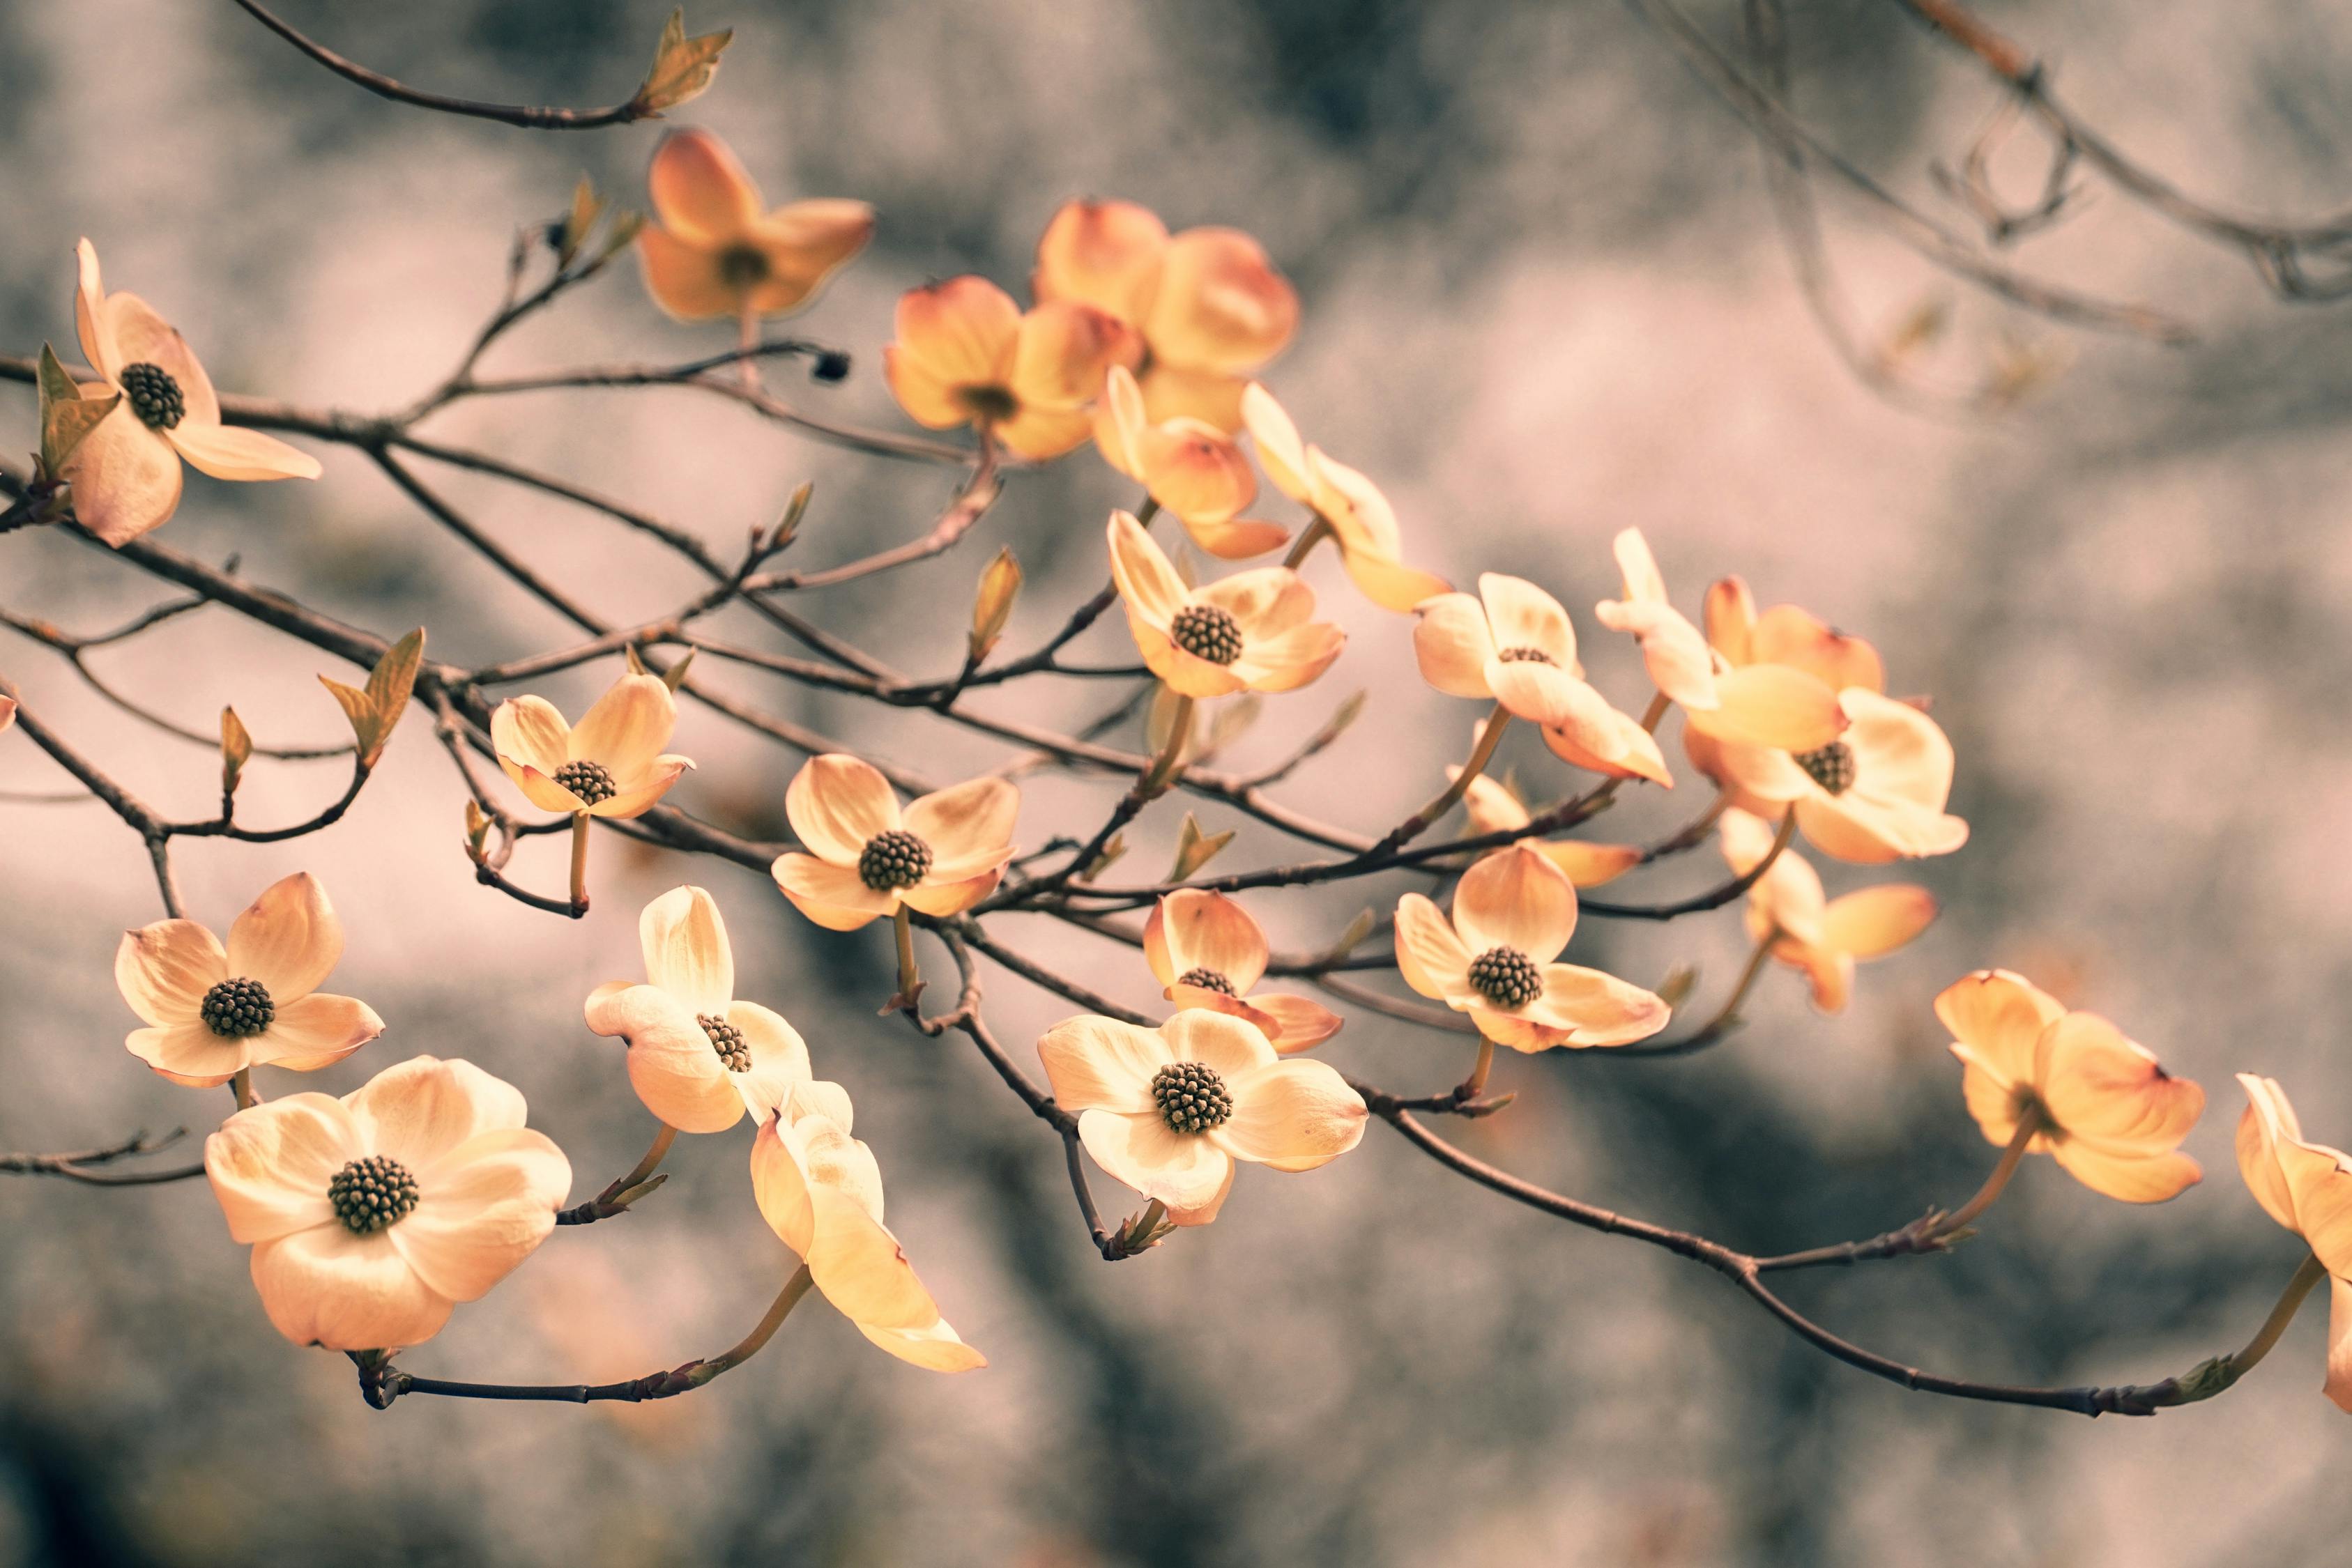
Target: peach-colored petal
328 1287
1231 1046
673 1064
939 898
528 732
639 795
269 1165
1900 754
934 1347
1300 1023
686 953
1264 602
1864 831
142 337
687 280
1120 424
1235 539
1392 584
226 453
1875 921
1292 1116
2268 1120
699 191
1291 658
1455 644
165 969
805 243
961 332
1785 634
1195 470
969 826
832 895
190 1054
1546 695
1358 510
1430 956
628 728
1187 674
1677 658
125 478
1101 1064
1173 391
781 1186
483 1212
1525 616
1994 1102
780 1059
1039 433
1280 451
2339 1386
421 1109
1105 254
1195 929
89 317
1731 621
1188 1172
1602 741
2000 1016
1590 865
1772 705
1063 350
836 803
2132 1177
1220 304
1491 807
1597 1008
1830 972
2101 1086
1149 584
928 398
289 939
314 1031
1516 898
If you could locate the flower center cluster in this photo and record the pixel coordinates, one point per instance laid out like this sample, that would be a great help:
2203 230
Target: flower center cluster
1207 633
373 1194
1190 1096
1208 981
1526 656
742 266
988 402
1832 766
727 1041
893 860
587 779
154 396
235 1009
1506 977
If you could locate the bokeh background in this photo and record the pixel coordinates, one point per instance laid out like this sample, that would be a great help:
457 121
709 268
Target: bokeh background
1543 301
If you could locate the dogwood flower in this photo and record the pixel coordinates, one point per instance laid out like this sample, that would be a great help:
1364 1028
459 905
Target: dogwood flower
943 854
1875 794
1809 932
965 354
1678 658
1360 519
2307 1187
820 1191
1250 631
1514 644
212 1012
371 1216
125 473
1514 911
612 765
1167 1111
1189 466
1208 953
2107 1112
698 1058
1209 306
1796 664
715 251
1494 808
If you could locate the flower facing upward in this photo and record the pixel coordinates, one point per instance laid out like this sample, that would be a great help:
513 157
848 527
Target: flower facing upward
820 1190
1494 808
2111 1116
611 766
965 354
1190 467
1208 953
1809 932
1250 631
1209 306
1513 642
1875 794
2307 1187
1167 1111
372 1215
126 472
698 1058
212 1013
1514 911
714 252
943 854
1360 517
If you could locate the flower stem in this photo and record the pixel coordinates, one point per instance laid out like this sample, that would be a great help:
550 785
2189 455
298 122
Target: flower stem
242 1087
1655 712
1170 763
1475 1083
1481 754
619 1195
1746 982
579 862
2289 1303
910 977
747 337
1148 510
1316 532
753 1343
2027 1125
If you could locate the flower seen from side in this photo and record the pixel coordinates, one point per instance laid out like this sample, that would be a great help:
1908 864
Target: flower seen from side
1207 952
715 251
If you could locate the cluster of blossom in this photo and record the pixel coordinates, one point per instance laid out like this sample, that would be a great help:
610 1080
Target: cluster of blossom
369 1216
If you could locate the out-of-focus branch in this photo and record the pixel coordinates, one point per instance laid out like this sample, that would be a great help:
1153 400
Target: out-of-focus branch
80 1165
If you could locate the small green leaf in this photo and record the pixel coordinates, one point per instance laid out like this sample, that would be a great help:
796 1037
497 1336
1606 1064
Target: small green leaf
1196 849
375 709
682 69
1104 861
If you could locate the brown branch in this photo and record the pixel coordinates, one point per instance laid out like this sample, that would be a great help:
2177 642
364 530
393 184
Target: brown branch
78 1165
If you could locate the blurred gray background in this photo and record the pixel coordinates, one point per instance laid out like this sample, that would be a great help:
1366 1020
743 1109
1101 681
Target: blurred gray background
1543 301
